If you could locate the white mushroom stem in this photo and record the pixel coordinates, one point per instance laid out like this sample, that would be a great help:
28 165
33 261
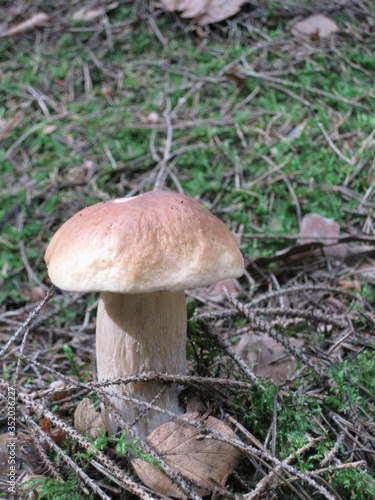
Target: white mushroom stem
137 333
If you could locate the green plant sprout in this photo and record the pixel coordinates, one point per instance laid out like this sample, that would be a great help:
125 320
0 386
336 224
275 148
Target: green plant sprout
75 368
122 448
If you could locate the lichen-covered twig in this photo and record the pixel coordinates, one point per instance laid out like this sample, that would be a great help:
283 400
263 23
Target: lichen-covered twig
251 451
41 411
247 313
331 455
316 316
51 467
264 483
224 344
188 380
61 453
28 322
301 288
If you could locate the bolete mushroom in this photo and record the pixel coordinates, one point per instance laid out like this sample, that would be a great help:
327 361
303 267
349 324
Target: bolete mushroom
141 253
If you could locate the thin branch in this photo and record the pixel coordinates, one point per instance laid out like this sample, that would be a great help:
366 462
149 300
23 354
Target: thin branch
41 411
299 313
330 456
264 483
224 344
80 473
333 146
250 450
28 322
298 353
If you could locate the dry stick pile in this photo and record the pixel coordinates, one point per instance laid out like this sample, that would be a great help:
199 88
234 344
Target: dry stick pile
354 434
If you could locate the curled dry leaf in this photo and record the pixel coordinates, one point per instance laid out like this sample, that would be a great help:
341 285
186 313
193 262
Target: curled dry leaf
317 24
87 419
204 11
37 21
208 462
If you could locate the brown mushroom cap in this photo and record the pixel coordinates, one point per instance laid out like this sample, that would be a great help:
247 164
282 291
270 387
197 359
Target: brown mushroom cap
155 241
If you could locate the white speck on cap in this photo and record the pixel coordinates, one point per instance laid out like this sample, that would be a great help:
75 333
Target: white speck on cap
123 200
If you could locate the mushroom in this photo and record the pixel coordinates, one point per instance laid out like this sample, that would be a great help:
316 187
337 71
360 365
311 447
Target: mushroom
141 253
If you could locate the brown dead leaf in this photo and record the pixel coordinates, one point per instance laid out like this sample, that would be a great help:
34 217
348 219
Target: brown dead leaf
208 462
60 385
36 21
215 291
170 5
87 419
349 284
315 226
220 10
48 129
37 293
204 11
193 8
56 434
89 14
45 425
271 359
317 24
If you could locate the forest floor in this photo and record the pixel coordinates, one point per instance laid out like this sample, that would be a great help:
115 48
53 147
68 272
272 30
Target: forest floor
264 127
